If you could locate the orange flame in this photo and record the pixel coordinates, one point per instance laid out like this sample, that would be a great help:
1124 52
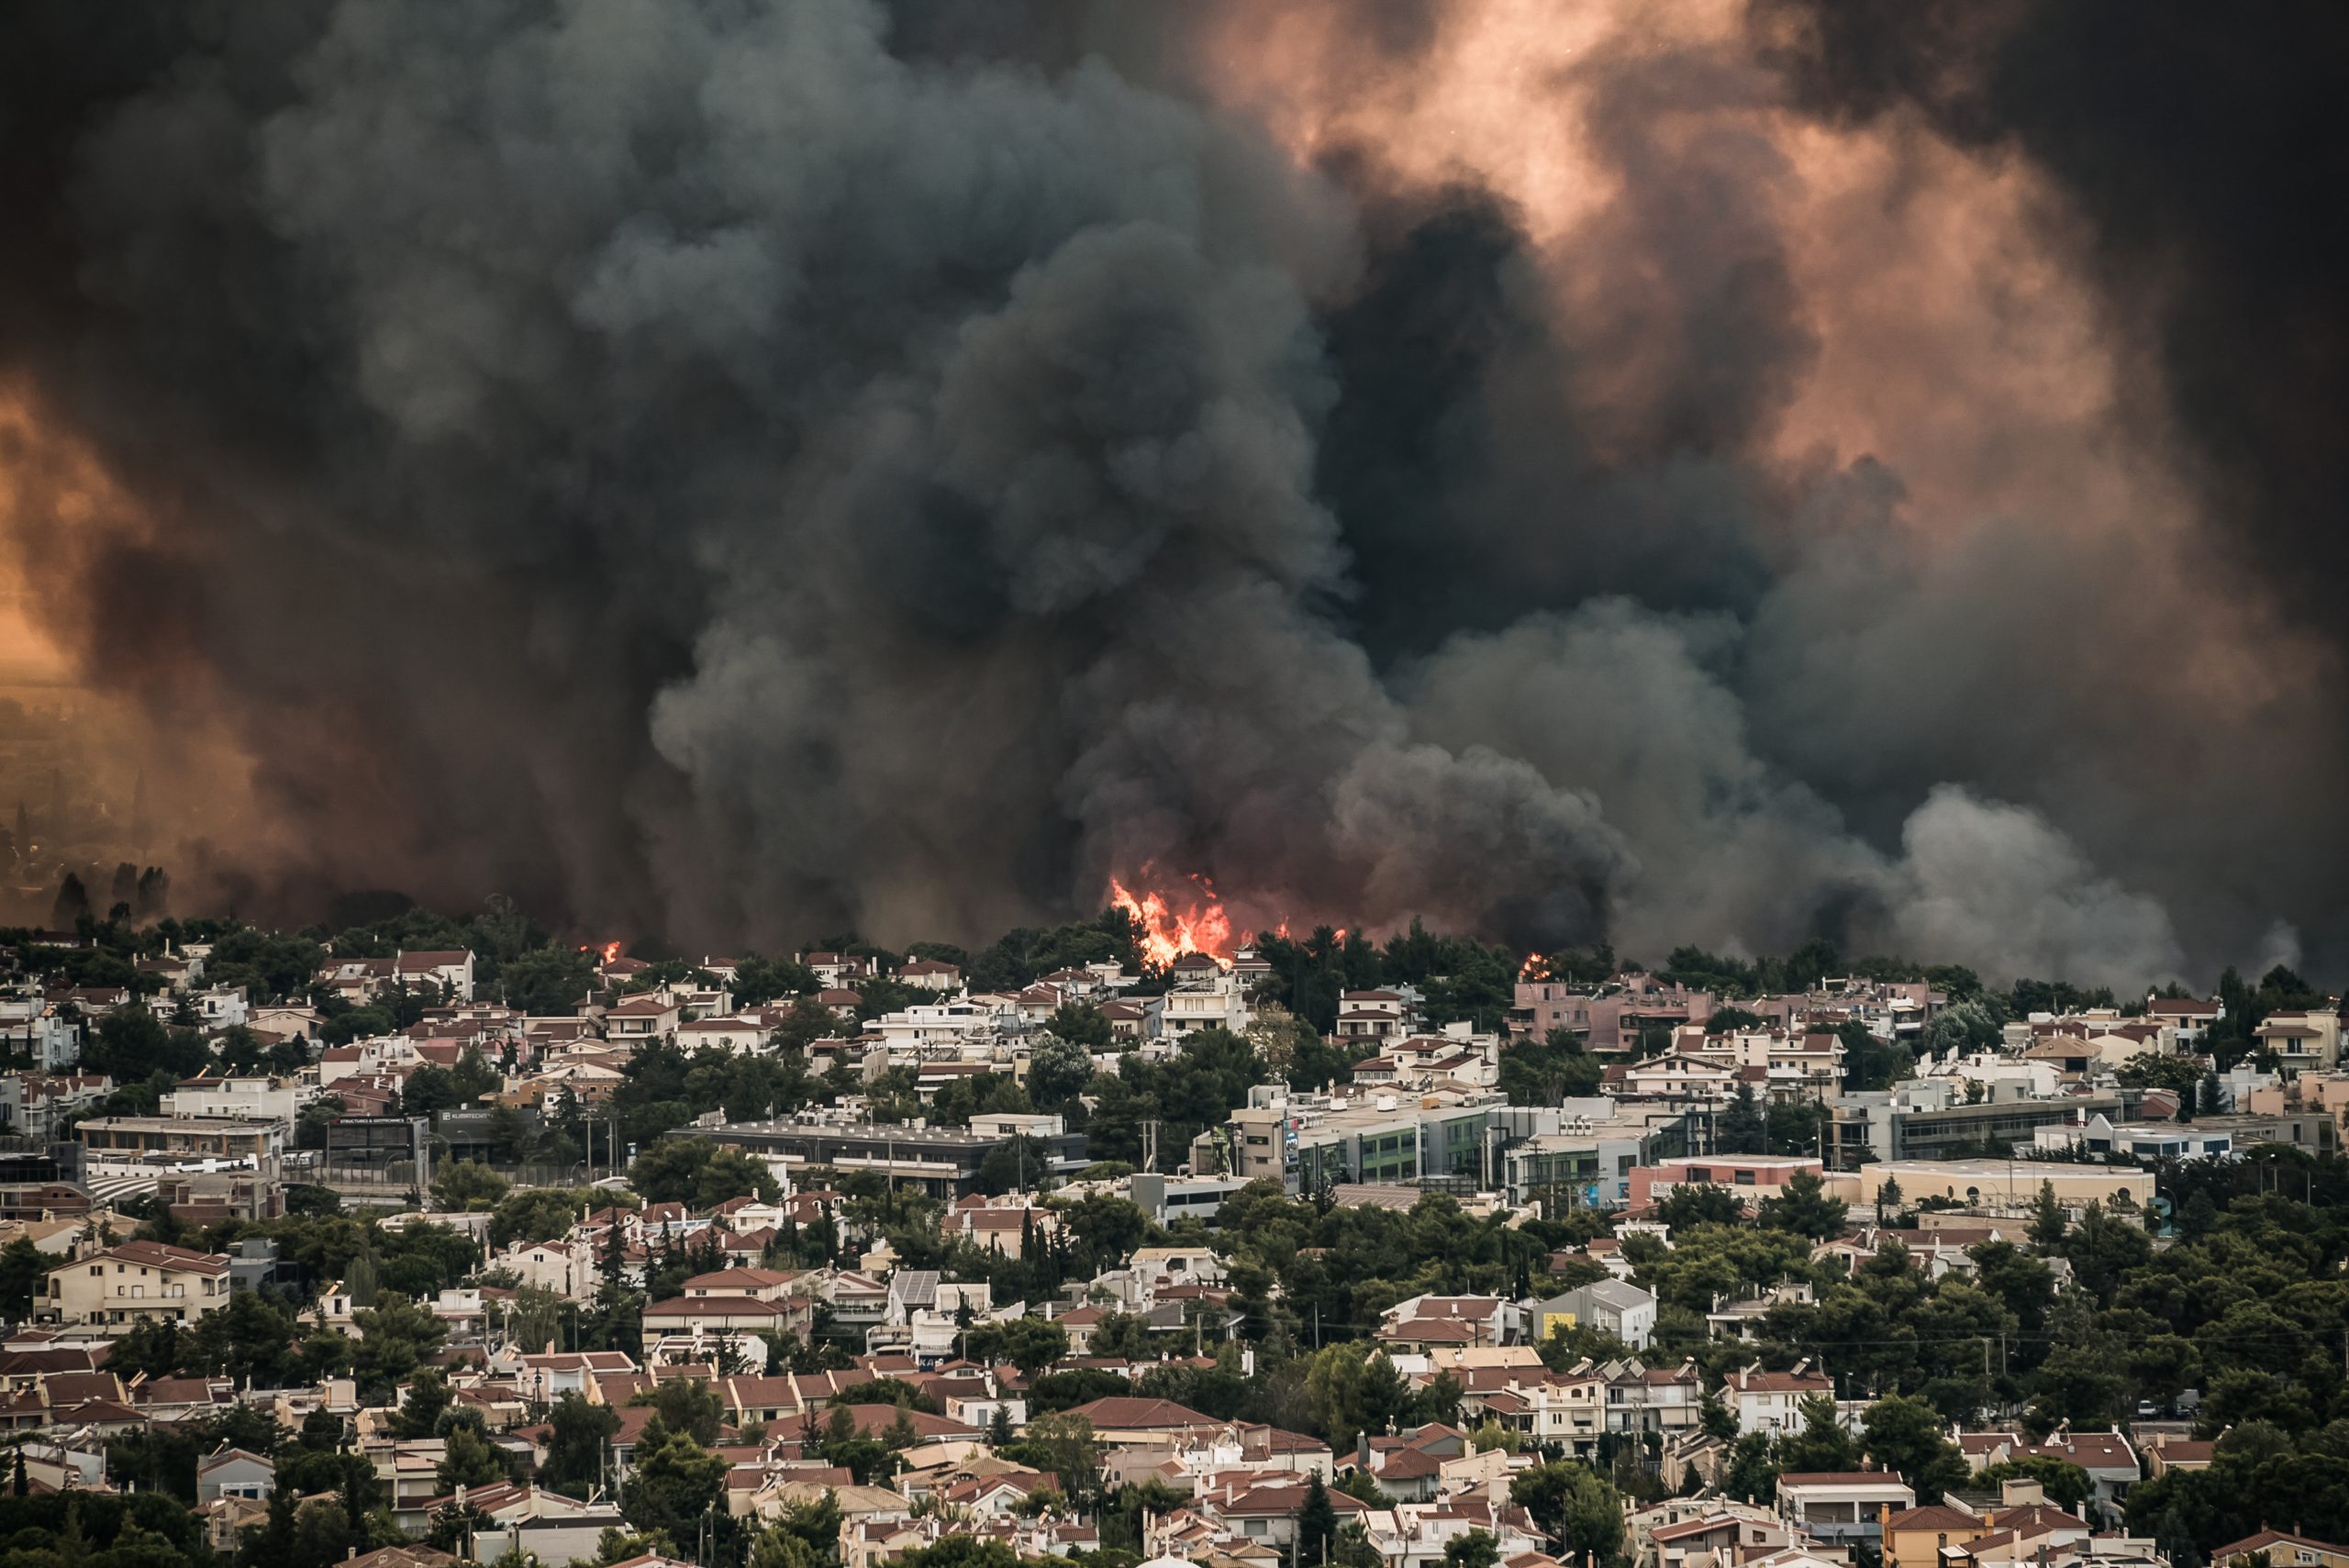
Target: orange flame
605 955
1533 966
1166 935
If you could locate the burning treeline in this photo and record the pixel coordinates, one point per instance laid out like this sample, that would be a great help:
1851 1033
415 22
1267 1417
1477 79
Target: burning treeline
717 472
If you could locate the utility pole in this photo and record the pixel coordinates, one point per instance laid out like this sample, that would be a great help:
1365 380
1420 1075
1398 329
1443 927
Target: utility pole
1150 1145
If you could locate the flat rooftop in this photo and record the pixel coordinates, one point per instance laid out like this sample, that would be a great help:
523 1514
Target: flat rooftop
878 1130
180 1124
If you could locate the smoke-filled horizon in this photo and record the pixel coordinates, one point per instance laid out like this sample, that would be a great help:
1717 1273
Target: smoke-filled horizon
723 471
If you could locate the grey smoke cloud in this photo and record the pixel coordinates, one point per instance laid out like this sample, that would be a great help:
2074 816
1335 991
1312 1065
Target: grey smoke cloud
735 472
1739 857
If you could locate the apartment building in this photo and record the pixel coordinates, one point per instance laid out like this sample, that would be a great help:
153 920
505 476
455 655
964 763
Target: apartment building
132 1283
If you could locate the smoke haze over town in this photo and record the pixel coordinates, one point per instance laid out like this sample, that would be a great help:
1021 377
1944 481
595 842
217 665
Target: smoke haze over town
1725 474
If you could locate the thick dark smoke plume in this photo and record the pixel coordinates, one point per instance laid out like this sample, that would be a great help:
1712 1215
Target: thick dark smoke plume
733 470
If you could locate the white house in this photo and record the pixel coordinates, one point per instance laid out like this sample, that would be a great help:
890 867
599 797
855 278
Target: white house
1772 1401
448 972
565 1267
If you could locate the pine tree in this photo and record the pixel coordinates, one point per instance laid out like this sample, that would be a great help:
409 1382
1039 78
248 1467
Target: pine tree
2047 1225
1316 1522
359 1280
1742 1129
612 1267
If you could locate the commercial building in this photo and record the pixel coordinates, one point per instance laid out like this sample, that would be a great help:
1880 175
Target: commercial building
1580 1154
1751 1176
1586 1157
1927 1118
1995 1186
182 1139
244 1099
943 1161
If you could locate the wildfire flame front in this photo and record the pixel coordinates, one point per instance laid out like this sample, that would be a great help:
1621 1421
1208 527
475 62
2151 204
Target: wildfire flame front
1166 935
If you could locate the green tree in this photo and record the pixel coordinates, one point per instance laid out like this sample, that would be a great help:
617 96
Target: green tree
428 1089
1317 1524
462 1185
963 1550
541 1214
675 1482
1031 1344
249 1337
1822 1445
1573 1505
578 1445
2047 1222
475 1077
324 1534
1751 1474
1742 1130
2066 1484
1081 1025
547 981
1059 1068
1904 1435
1804 1208
1691 1204
1549 1072
687 1405
1477 1548
695 1171
425 1400
469 1460
395 1337
1065 1443
1965 1028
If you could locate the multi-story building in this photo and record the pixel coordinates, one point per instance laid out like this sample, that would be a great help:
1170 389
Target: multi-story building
178 1139
1752 1177
1611 1307
38 1105
132 1283
34 1033
449 974
2307 1040
1842 1507
1771 1402
1215 1000
942 1161
1608 1018
1930 1119
247 1099
1585 1157
1643 1398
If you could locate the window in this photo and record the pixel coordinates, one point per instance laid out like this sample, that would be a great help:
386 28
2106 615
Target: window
1745 1178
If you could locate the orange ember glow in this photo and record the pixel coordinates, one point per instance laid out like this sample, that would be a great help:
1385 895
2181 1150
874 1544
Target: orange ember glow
1532 967
1201 927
